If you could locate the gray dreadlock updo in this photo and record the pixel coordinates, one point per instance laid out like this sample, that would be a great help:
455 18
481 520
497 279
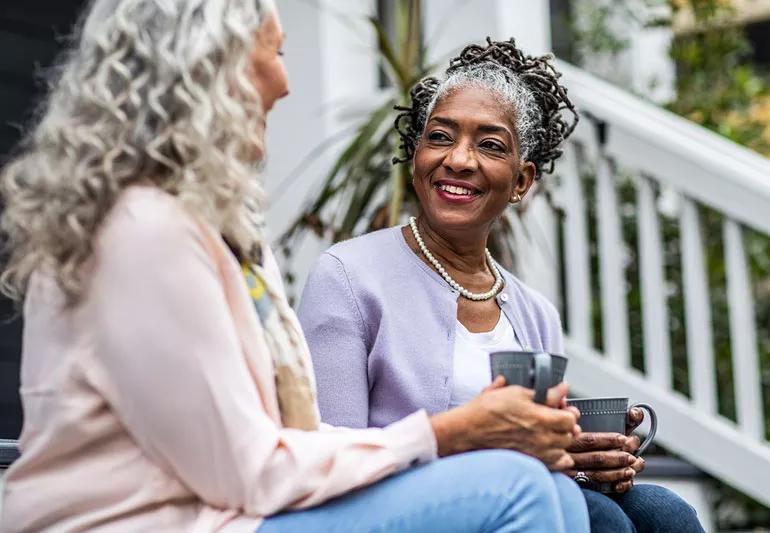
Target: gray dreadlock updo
527 85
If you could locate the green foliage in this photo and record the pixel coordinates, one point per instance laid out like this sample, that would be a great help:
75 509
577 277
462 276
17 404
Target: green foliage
363 191
717 86
593 24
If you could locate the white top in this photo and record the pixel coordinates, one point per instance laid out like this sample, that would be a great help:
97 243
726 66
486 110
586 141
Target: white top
471 358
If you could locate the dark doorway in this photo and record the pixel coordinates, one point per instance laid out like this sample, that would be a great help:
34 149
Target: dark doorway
758 34
31 36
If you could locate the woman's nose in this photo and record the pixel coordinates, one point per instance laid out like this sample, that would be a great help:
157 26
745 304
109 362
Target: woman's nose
461 159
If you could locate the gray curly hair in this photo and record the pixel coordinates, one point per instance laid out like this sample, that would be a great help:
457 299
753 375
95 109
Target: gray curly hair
528 86
509 89
156 92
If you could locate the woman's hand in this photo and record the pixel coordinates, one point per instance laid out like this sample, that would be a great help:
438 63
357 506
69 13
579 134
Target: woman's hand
634 420
507 417
606 458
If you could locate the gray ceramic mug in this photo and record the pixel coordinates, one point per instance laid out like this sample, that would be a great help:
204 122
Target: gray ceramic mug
602 415
535 370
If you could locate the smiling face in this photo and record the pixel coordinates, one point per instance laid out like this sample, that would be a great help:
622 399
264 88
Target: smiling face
467 166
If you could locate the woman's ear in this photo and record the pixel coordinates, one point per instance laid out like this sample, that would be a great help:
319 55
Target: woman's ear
523 182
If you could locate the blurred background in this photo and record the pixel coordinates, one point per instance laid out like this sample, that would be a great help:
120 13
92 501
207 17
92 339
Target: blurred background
32 33
651 236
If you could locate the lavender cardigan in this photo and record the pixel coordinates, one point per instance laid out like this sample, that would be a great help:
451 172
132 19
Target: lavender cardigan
381 328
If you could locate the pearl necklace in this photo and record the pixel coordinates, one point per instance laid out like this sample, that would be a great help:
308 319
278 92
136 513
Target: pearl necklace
478 297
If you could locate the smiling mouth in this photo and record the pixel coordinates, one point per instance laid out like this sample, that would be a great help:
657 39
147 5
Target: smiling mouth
456 190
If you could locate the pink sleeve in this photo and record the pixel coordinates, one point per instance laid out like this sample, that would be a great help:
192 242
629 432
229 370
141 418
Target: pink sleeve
173 371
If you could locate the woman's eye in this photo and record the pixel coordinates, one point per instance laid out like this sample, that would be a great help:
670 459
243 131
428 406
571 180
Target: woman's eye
438 136
492 145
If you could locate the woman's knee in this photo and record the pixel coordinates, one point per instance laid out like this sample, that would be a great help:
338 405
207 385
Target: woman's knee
573 503
526 495
656 508
569 491
605 514
520 478
512 468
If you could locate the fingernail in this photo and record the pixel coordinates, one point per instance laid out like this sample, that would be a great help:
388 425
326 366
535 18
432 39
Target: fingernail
630 472
631 459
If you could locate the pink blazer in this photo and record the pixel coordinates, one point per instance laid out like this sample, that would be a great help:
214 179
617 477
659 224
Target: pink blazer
151 406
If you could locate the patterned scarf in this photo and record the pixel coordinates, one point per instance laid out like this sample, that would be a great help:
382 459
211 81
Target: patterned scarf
294 381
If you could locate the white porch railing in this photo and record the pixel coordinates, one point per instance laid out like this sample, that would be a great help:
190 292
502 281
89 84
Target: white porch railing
621 137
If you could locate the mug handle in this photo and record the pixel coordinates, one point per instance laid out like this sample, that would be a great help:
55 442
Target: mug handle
653 427
542 381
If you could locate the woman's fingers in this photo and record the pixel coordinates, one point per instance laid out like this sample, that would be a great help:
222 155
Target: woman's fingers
574 410
638 464
557 394
558 420
623 486
621 480
634 420
562 441
557 460
589 442
498 383
615 475
603 460
632 444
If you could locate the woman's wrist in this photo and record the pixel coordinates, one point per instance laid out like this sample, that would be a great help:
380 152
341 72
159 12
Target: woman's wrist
449 428
443 428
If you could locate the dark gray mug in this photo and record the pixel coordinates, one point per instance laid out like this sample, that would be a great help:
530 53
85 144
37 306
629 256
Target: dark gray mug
602 415
535 370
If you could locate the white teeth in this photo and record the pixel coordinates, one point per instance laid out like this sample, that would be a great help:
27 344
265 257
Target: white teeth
455 190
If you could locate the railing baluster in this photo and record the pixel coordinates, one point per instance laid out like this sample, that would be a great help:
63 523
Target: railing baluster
710 173
697 310
657 345
576 261
743 334
611 266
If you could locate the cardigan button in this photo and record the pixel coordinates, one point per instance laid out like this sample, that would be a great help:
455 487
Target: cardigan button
504 297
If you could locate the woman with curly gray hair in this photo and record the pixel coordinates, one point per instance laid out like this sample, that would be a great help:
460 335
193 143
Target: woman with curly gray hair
166 383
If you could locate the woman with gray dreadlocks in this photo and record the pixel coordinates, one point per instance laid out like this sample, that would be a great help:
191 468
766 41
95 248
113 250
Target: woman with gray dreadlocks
403 319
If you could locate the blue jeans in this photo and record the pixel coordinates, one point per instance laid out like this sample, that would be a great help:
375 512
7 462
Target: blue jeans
644 509
485 491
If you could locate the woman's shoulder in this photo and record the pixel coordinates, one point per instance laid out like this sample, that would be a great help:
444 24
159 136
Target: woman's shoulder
142 214
148 226
139 205
357 263
377 247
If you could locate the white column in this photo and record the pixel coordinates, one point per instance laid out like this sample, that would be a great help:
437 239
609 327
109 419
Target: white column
450 25
527 21
653 73
644 66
